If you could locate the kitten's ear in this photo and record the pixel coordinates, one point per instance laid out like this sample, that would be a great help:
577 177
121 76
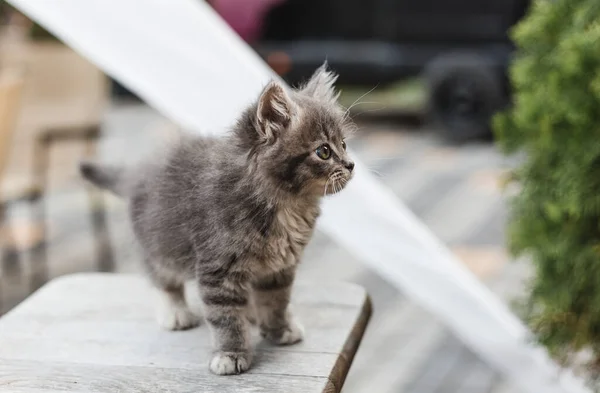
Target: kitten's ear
320 85
274 110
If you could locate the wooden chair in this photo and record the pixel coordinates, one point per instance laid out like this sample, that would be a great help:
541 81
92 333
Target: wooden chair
64 98
70 96
13 237
11 87
96 332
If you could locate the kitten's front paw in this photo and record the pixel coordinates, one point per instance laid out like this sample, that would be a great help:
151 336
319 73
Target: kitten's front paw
172 317
228 363
292 334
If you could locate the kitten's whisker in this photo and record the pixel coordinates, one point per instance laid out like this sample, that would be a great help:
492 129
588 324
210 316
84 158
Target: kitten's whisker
362 96
343 182
327 184
358 99
333 179
370 110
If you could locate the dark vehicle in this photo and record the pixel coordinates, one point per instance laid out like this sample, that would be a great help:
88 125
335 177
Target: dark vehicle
460 46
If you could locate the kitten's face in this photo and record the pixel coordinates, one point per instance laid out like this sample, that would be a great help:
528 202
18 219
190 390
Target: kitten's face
306 131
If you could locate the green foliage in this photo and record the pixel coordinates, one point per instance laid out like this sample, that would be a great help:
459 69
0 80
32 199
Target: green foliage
555 121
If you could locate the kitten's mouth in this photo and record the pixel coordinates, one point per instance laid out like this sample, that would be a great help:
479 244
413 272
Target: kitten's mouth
336 182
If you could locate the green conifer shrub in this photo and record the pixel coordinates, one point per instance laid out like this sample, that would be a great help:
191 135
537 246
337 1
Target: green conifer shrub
555 218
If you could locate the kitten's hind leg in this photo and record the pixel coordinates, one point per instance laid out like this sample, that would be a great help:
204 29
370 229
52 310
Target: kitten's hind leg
173 312
272 297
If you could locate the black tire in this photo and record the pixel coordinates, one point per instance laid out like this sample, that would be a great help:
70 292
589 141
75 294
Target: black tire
464 93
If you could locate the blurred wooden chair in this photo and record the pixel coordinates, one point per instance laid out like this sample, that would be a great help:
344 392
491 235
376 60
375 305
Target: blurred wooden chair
63 99
13 236
11 87
68 96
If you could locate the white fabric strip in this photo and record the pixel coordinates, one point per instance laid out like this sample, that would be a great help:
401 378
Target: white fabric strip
185 61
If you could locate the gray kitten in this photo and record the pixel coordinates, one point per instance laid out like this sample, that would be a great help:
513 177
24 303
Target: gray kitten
235 213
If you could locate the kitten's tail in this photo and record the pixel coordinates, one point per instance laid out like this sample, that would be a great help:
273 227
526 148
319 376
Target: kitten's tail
108 177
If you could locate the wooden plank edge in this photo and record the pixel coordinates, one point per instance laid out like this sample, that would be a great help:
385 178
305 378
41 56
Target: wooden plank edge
344 361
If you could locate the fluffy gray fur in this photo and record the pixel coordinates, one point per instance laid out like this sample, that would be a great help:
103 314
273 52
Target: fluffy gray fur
235 213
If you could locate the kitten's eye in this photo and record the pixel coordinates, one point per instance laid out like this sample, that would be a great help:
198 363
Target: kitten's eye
344 145
323 151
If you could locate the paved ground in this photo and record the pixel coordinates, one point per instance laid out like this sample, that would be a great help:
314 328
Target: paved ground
454 190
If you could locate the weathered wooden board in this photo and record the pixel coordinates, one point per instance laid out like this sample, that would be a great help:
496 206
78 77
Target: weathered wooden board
96 333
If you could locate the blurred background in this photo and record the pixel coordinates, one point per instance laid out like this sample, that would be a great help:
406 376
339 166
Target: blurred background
423 79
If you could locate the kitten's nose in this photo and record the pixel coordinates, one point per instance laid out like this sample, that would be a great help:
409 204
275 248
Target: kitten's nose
349 165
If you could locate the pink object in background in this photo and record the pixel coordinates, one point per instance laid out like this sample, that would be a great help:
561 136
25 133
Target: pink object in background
244 16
